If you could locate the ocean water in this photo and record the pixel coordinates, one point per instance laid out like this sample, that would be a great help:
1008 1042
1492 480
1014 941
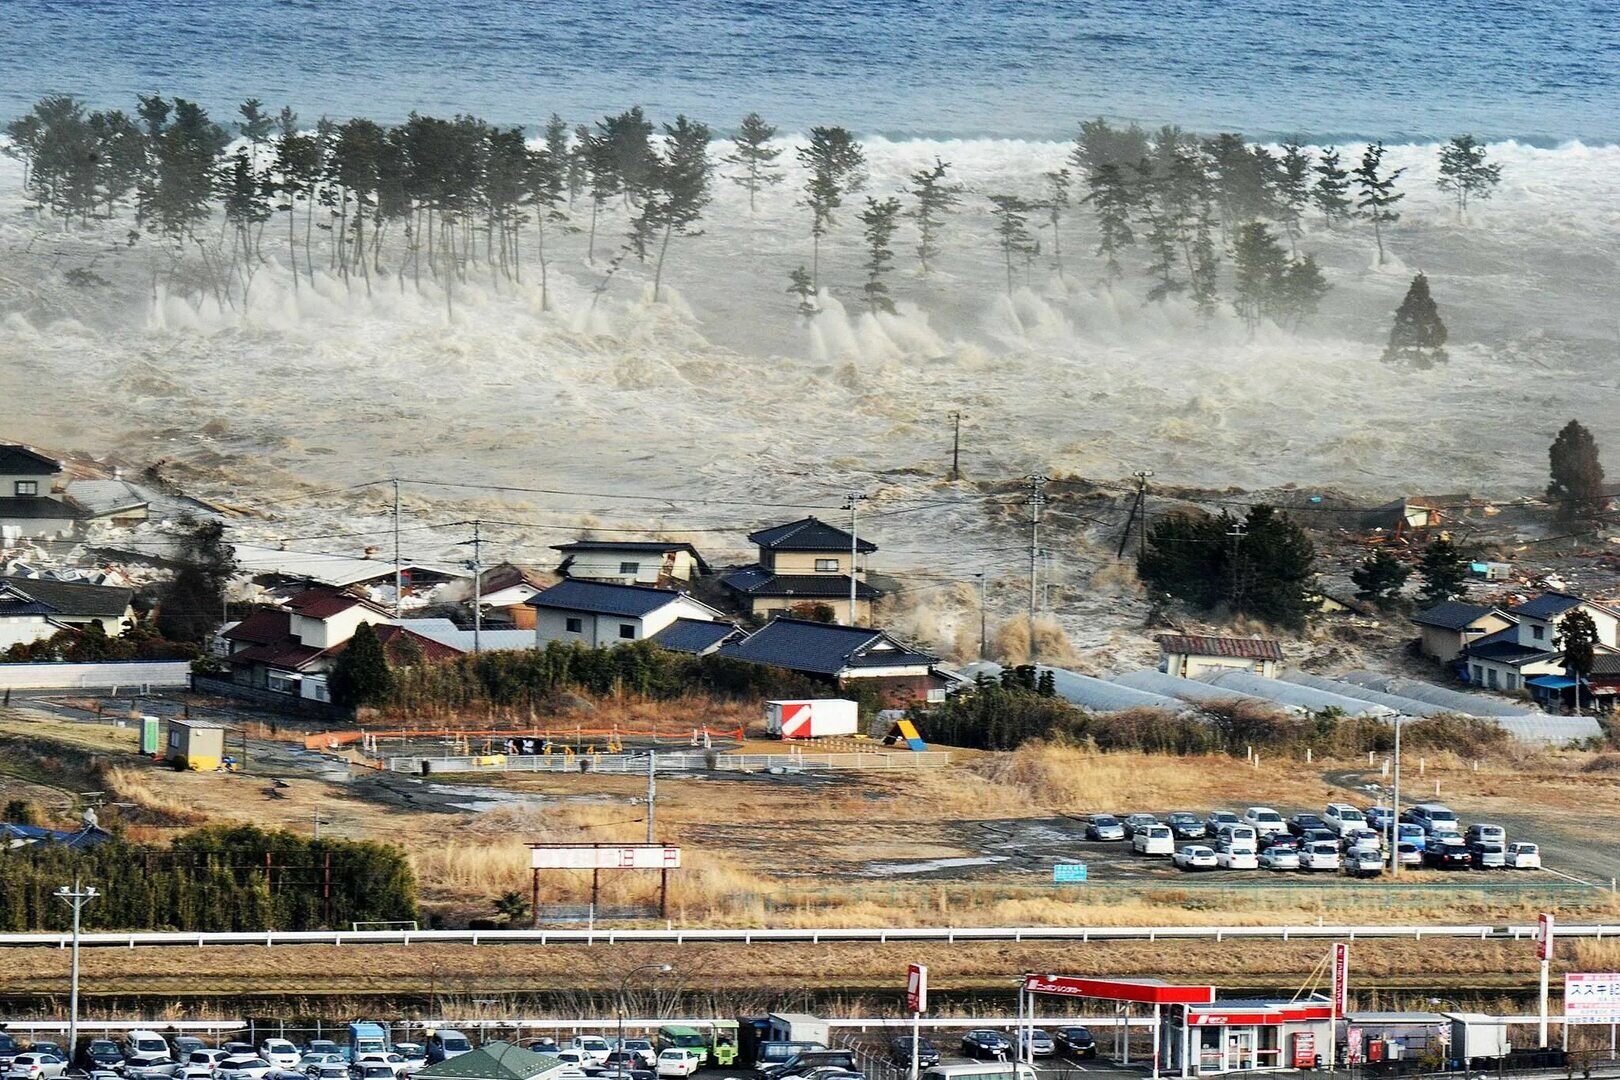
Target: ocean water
1541 71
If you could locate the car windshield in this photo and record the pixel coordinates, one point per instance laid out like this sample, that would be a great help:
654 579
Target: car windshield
99 1048
1349 814
1104 819
151 1046
1267 815
1181 818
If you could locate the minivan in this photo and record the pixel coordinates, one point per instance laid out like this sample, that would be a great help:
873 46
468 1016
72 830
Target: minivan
1240 838
1486 834
1341 817
145 1044
446 1043
982 1070
1434 817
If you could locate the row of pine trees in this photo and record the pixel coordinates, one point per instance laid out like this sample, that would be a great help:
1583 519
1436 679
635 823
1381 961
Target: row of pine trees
366 201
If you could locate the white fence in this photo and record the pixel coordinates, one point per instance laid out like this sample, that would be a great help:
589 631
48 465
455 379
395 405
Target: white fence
636 764
129 676
198 939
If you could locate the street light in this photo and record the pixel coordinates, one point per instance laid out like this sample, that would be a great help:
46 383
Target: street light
624 985
76 897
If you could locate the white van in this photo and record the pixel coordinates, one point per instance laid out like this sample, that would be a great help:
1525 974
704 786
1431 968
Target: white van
1240 838
982 1070
1154 840
1342 817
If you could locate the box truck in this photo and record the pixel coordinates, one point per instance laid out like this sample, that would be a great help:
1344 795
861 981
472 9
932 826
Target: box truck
811 718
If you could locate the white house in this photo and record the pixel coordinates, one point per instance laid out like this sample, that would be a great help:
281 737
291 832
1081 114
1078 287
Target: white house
1529 648
33 609
631 562
600 614
1190 656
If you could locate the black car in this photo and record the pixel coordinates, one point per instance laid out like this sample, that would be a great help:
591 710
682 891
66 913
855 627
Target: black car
1186 826
1311 836
100 1054
900 1053
1443 856
8 1050
984 1043
1300 823
1076 1041
1279 840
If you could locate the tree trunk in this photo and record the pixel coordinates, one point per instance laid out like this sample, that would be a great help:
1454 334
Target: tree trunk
1378 235
540 244
658 272
590 246
292 235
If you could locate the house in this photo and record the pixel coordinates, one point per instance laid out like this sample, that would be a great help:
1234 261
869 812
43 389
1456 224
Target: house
600 614
804 563
37 504
504 591
1190 656
195 744
1510 657
631 562
695 636
274 568
33 609
1450 626
1418 514
110 502
846 657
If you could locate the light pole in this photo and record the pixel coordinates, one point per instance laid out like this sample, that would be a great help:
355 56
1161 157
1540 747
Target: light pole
1395 809
624 985
76 898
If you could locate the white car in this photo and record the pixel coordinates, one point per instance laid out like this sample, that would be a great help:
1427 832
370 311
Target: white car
1320 855
1342 817
593 1047
242 1067
205 1059
1354 840
1264 820
1228 857
147 1044
1364 862
309 1063
372 1071
415 1056
682 1061
33 1066
578 1058
1523 856
1409 853
1152 840
1240 838
1279 858
280 1053
1195 857
395 1063
150 1068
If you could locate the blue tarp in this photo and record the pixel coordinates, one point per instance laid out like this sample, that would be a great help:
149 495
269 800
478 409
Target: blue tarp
1551 682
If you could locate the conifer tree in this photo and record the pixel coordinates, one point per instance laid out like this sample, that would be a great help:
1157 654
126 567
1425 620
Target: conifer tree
683 172
1375 193
1464 172
803 286
1057 202
1418 334
1444 571
557 142
1258 265
1156 202
627 142
1294 191
548 170
1011 215
934 199
1205 262
1578 638
602 170
1331 192
1300 291
881 219
1112 201
360 675
1577 474
836 165
1380 576
754 157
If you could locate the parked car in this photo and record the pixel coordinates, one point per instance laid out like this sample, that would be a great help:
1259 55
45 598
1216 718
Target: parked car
447 1043
36 1066
1105 827
150 1068
1409 853
1194 857
8 1050
1240 837
577 1058
1230 857
774 1052
241 1067
1186 826
1435 818
1153 840
984 1043
1379 817
185 1045
1077 1042
394 1062
308 1063
1134 823
1279 857
1522 855
189 1071
545 1044
643 1049
238 1049
1360 840
621 1072
1342 817
680 1061
330 1071
1263 819
323 1046
1299 823
205 1059
1485 856
1040 1043
1280 840
900 1053
1412 834
147 1044
806 1062
1317 836
1217 820
280 1053
1481 833
1320 855
41 1046
1447 851
100 1054
370 1070
1364 862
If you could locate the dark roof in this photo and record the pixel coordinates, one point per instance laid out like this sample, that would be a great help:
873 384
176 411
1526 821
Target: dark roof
650 547
74 597
1548 605
808 534
323 603
1504 648
494 1061
693 635
287 653
18 460
266 626
758 581
1244 648
604 598
506 575
1606 664
1451 614
13 603
33 507
822 648
393 637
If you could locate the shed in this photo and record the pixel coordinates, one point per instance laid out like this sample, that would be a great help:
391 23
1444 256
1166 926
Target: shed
199 744
496 1061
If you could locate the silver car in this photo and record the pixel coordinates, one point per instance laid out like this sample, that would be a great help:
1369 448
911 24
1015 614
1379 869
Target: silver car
32 1066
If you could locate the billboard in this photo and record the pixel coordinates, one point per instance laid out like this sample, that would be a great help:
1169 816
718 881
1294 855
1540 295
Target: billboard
1544 936
917 987
604 857
1341 978
1592 999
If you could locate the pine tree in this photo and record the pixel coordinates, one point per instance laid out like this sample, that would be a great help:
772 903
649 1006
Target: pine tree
1577 474
1011 216
1376 194
1418 334
1380 576
627 143
1444 571
1163 236
1294 191
1578 638
755 157
1331 192
803 286
1112 200
836 165
601 168
881 219
935 198
1464 172
683 186
1300 291
1057 202
548 168
360 676
1258 266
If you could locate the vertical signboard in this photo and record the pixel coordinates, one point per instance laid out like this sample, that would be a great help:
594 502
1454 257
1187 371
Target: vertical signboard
1341 978
1544 936
917 988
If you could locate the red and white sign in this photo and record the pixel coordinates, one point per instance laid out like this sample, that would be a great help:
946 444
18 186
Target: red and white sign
1544 936
1341 977
1592 998
604 857
917 987
1245 1017
1146 992
812 718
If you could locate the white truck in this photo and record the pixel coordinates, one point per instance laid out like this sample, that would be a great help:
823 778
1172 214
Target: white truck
811 718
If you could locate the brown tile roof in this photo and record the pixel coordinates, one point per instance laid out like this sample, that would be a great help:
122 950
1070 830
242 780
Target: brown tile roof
393 636
322 603
264 627
1244 648
287 654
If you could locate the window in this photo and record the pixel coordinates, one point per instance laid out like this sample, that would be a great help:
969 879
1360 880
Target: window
1538 632
27 487
629 568
574 626
936 694
281 684
627 631
1479 675
826 566
1490 678
1512 681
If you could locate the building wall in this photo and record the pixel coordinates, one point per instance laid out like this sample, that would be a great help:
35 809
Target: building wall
1491 675
8 482
1441 643
804 562
764 607
323 634
24 630
1190 666
42 528
602 631
906 687
650 567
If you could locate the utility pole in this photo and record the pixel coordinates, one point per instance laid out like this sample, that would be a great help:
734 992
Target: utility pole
477 566
399 567
652 791
1036 500
983 650
76 897
1141 510
1395 808
956 444
1237 532
851 503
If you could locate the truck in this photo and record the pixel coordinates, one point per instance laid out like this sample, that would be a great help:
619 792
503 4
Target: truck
1477 1038
799 1027
811 718
366 1037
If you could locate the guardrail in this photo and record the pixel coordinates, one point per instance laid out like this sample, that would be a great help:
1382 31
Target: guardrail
636 764
768 935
